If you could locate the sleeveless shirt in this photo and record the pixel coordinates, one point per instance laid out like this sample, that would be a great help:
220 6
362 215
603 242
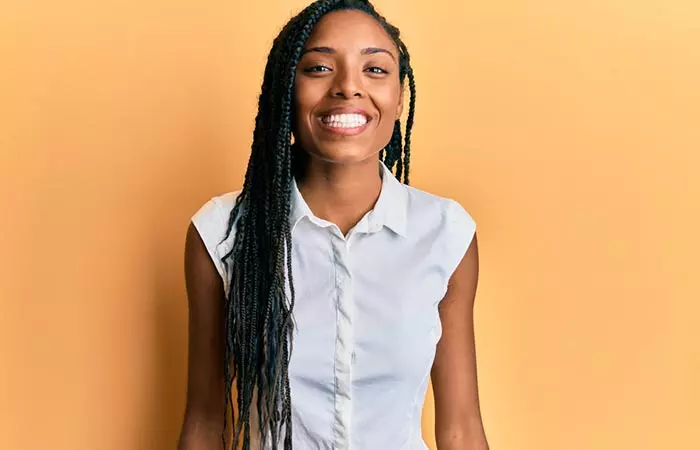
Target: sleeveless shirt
366 313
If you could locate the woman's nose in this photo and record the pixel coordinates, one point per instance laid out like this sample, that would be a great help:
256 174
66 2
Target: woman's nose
348 85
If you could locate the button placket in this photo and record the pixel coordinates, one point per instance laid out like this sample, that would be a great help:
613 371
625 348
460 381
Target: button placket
344 348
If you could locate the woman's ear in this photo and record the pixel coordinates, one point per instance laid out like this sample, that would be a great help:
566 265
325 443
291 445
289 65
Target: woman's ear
399 110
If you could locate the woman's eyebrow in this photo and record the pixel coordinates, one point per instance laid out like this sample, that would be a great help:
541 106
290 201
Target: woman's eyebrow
373 50
366 51
326 50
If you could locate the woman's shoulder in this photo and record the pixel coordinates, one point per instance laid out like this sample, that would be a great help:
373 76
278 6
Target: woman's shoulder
212 223
216 209
444 222
441 210
215 213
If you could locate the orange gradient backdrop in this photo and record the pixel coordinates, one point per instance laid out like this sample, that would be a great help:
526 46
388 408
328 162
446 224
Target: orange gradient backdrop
569 129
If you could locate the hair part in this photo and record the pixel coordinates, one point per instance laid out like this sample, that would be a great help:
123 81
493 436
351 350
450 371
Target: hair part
257 312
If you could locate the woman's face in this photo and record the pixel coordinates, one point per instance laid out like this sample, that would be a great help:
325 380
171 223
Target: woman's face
347 91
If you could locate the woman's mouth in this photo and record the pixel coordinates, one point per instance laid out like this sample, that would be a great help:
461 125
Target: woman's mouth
347 124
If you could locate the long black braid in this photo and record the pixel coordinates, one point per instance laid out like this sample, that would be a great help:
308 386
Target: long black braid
257 312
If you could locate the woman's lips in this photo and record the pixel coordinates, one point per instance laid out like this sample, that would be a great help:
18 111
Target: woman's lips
344 121
343 130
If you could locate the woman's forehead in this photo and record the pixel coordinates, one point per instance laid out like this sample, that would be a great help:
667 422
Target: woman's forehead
349 28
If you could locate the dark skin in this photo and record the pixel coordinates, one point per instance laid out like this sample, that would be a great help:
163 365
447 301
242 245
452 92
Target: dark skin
458 423
351 62
204 412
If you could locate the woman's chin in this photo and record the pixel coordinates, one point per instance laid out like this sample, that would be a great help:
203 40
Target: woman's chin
337 155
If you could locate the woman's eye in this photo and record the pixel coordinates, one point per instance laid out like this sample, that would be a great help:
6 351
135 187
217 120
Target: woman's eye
317 69
377 70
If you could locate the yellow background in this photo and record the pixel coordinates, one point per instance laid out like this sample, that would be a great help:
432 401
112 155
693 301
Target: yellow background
569 129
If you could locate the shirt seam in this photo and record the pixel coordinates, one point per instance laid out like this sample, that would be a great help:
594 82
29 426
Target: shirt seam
335 346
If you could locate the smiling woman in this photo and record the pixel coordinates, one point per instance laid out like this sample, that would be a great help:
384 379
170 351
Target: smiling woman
326 247
347 85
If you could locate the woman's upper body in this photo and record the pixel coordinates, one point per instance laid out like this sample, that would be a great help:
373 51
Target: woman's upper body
328 290
367 312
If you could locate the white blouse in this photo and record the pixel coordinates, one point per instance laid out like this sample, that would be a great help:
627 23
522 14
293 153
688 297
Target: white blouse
366 313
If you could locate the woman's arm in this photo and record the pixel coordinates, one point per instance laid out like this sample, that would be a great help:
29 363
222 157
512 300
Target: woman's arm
204 412
458 424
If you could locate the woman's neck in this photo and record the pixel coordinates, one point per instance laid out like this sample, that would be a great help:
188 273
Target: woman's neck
341 193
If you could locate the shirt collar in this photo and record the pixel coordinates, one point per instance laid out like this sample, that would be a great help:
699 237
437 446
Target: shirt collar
391 209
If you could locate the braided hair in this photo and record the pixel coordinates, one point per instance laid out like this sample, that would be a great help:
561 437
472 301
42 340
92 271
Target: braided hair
256 311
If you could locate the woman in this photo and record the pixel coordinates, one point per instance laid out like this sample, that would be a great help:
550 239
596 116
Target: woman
326 289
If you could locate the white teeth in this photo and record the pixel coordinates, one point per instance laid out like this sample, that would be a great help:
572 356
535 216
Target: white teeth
345 120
